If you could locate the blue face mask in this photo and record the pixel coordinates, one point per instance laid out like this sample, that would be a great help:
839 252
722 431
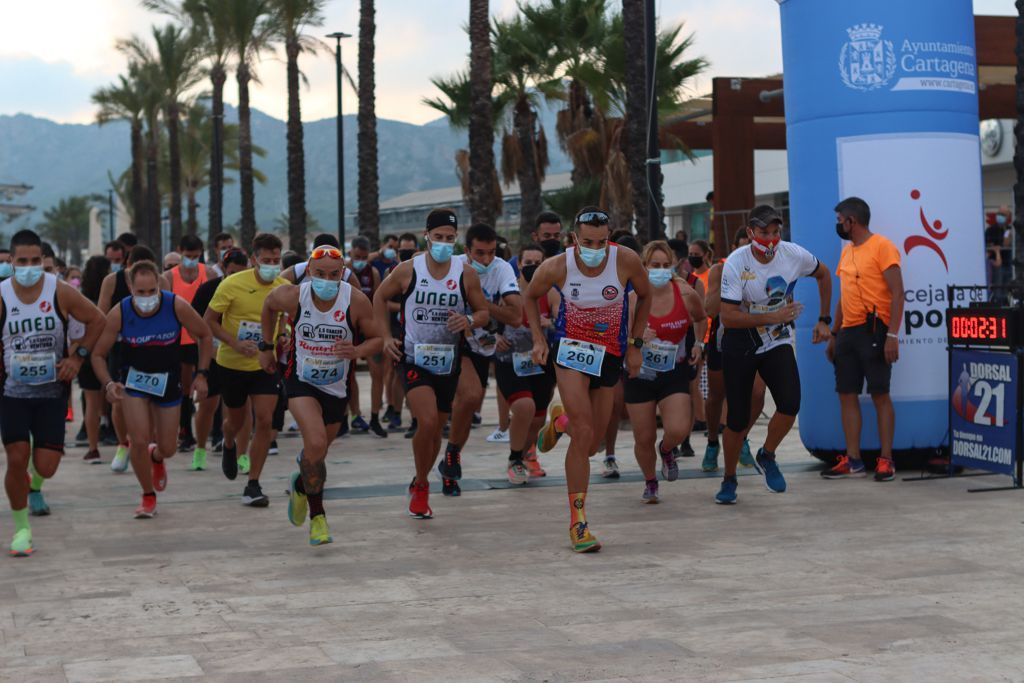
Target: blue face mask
115 267
390 254
326 290
441 251
187 262
26 276
659 277
481 268
358 265
1000 219
269 273
591 257
6 270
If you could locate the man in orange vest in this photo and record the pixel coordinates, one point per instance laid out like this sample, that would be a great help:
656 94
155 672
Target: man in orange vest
185 280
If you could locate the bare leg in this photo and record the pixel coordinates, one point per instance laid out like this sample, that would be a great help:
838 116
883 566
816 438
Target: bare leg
886 422
263 417
468 398
204 420
519 425
427 441
849 408
93 408
140 428
503 412
643 418
611 433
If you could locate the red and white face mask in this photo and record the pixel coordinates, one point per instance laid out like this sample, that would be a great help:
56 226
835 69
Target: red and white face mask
765 246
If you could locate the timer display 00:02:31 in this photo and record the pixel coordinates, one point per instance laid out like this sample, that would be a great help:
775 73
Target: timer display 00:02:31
979 328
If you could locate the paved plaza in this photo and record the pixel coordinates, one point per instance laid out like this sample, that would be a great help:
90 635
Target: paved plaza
831 581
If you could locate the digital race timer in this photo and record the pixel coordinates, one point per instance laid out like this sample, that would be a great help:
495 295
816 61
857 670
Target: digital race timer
983 326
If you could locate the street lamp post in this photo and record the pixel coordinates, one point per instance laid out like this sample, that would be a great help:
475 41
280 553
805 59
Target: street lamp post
341 144
110 213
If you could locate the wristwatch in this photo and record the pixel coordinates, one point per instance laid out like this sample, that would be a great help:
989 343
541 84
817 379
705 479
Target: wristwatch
264 346
82 353
204 373
635 341
827 319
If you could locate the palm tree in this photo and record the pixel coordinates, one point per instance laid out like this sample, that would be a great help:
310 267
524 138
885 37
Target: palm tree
636 111
369 187
123 101
481 177
147 75
66 225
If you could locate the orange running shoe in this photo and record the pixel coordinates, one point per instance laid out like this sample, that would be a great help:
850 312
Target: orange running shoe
533 464
147 510
159 471
419 501
884 470
845 467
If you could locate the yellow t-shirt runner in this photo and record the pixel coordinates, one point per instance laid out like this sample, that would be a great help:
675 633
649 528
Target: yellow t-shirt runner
239 299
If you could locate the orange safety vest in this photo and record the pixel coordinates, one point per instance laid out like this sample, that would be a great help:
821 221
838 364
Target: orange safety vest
187 291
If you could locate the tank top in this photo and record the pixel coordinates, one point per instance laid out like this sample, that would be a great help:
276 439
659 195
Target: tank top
34 340
672 328
426 304
593 309
151 344
187 291
312 359
121 290
365 279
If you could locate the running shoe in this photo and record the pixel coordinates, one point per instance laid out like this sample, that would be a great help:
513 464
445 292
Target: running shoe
478 419
319 534
517 473
395 423
159 472
229 461
359 425
549 435
273 449
70 417
611 469
845 467
450 466
82 436
669 466
767 466
389 413
108 437
727 494
450 487
293 427
198 460
447 430
884 470
92 457
700 426
376 428
710 462
253 495
146 509
686 450
21 544
419 501
218 444
411 432
533 464
582 540
498 436
186 443
244 464
651 492
120 461
746 457
298 506
37 506
343 429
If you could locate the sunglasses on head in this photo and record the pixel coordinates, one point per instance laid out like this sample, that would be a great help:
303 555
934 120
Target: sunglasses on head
593 218
325 252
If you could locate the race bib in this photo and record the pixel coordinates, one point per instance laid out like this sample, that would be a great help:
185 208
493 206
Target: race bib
581 356
321 371
659 356
34 368
522 363
435 358
152 383
250 331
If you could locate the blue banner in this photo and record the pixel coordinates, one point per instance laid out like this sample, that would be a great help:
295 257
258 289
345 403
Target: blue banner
983 410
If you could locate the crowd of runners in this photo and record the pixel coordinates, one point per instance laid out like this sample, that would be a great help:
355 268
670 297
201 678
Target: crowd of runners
196 356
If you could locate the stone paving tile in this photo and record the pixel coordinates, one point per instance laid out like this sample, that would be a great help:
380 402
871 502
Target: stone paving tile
131 669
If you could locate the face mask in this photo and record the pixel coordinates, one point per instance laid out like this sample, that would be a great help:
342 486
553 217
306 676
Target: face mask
223 252
269 273
187 262
441 251
6 270
480 268
406 254
591 257
326 290
146 304
551 247
1000 219
528 271
659 277
26 276
358 265
766 247
842 233
389 254
115 267
75 282
695 261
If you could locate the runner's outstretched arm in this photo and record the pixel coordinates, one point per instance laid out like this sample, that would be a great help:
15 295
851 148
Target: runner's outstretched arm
542 281
200 331
393 286
636 275
821 331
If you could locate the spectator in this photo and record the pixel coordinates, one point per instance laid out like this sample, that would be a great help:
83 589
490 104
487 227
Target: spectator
865 340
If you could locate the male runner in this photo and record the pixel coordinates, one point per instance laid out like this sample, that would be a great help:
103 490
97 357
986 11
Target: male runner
435 291
234 317
222 242
408 245
758 313
6 267
369 279
36 372
116 254
504 305
150 325
328 314
593 279
186 279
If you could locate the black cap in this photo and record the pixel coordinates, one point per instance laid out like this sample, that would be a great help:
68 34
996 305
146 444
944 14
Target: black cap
763 215
441 217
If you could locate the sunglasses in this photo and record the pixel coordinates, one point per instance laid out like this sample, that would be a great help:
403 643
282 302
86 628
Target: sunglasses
325 252
593 218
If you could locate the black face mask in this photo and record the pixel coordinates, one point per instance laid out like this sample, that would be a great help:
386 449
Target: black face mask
405 254
528 271
551 247
695 261
842 233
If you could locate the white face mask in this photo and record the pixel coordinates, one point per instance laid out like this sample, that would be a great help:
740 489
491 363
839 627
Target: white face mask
146 304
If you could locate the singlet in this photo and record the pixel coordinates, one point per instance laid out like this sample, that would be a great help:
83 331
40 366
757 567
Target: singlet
34 340
187 291
426 304
593 309
151 344
672 327
121 290
499 281
365 279
312 359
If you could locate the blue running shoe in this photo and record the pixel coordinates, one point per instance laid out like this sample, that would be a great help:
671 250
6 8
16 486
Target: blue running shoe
37 504
746 457
710 462
773 478
727 494
360 425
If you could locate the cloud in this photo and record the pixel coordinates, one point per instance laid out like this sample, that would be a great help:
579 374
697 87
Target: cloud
54 91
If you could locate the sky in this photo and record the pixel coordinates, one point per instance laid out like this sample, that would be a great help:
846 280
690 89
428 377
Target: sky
55 53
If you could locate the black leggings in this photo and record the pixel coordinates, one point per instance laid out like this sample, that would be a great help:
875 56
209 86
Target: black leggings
777 368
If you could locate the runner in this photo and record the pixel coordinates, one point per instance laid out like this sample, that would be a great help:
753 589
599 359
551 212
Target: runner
185 280
150 324
116 253
96 268
222 242
592 280
297 273
435 290
369 280
330 315
408 245
234 317
759 314
663 383
36 372
6 267
504 306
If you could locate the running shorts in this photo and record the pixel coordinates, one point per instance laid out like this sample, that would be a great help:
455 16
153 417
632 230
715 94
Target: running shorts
444 386
860 356
332 407
238 385
664 384
41 419
777 368
611 370
541 388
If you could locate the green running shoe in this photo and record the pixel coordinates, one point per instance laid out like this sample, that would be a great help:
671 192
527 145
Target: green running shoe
120 461
319 534
21 546
243 464
298 507
746 457
198 460
37 506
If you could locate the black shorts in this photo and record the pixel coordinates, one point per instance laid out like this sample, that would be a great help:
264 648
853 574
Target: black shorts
42 419
860 356
444 386
611 370
87 380
172 394
664 384
236 386
482 365
190 354
541 388
332 407
777 368
213 380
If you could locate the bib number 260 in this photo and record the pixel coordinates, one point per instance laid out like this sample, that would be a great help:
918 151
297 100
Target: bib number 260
581 356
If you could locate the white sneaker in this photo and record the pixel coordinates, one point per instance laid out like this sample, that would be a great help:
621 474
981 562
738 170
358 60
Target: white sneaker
611 469
498 436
